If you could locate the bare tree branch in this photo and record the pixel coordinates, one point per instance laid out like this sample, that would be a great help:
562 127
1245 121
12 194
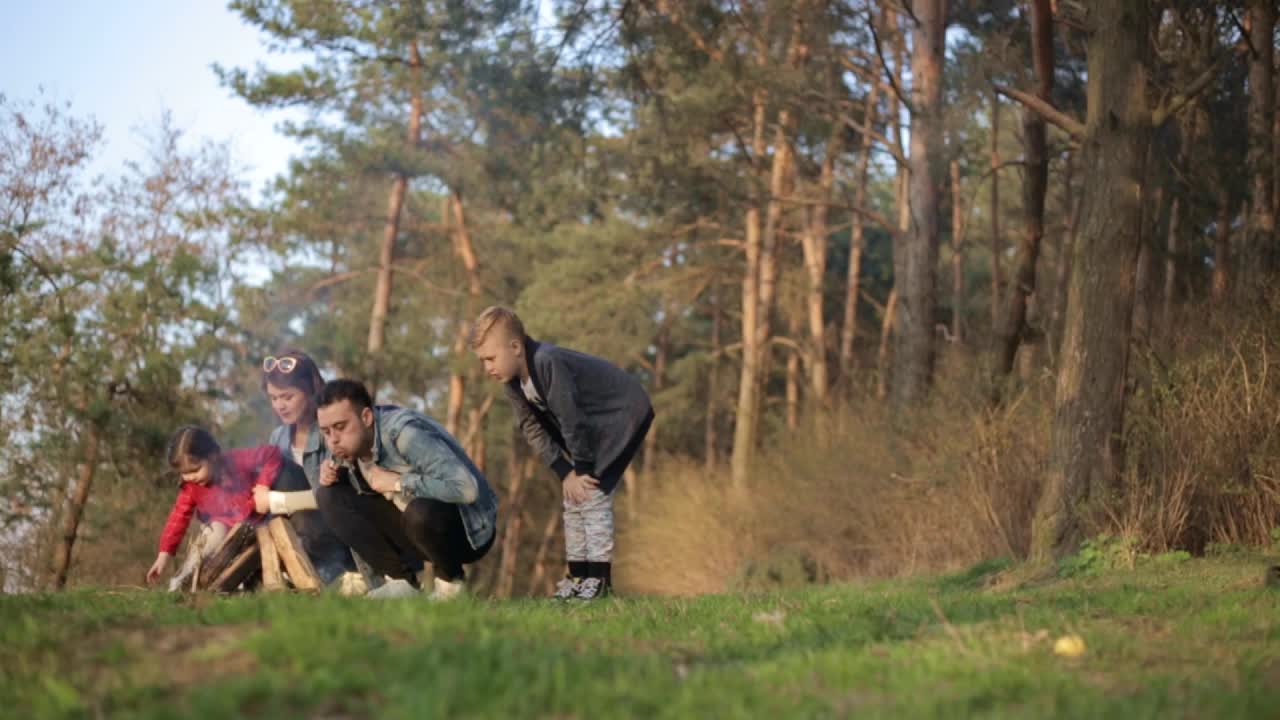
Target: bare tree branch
1046 110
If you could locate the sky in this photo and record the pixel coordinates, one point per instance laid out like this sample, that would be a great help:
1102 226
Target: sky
125 62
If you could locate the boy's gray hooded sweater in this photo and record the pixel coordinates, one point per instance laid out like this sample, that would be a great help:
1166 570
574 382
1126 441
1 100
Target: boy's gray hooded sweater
596 414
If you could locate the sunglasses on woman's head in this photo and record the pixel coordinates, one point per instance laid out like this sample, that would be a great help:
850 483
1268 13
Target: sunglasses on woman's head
284 364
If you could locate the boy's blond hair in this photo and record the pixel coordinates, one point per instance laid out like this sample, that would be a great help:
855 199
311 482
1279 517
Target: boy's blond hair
496 316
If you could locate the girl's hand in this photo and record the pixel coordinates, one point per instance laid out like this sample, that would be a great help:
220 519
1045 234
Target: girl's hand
262 499
158 567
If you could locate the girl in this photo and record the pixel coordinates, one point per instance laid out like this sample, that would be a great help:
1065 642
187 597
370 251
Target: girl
217 487
292 382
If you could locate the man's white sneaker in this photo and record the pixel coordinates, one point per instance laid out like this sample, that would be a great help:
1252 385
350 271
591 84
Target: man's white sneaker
392 589
445 590
352 584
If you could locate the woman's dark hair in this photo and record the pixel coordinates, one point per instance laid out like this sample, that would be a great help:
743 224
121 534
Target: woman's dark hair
192 443
305 376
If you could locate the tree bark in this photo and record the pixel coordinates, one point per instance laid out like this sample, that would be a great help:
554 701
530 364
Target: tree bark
75 507
1260 254
1035 187
511 533
465 250
957 255
1086 450
1066 246
997 244
857 238
391 228
760 273
886 337
1170 267
916 257
814 246
711 437
1222 248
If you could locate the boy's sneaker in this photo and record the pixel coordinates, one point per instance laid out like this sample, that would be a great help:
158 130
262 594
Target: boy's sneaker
446 590
567 589
592 589
392 589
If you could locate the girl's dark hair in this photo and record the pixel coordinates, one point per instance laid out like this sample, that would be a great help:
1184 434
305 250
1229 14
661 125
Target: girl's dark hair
191 443
305 375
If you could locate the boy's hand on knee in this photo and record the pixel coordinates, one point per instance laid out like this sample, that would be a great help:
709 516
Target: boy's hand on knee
577 486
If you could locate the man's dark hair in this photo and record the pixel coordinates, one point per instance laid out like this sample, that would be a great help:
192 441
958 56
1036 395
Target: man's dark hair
335 391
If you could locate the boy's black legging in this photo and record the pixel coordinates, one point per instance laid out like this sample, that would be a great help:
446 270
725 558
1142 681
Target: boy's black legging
387 538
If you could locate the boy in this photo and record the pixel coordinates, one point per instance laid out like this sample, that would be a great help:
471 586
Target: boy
585 418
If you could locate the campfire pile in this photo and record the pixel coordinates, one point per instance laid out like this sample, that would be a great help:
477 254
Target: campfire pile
269 554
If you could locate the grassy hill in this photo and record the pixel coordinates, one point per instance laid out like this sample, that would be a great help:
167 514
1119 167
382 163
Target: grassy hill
1172 638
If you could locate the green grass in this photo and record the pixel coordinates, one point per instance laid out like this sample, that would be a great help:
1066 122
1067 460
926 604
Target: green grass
1199 638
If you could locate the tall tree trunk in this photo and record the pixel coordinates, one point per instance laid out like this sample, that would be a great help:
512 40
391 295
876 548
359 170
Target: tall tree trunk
1035 187
465 250
544 546
391 228
1086 451
997 244
662 345
744 428
887 322
1261 255
793 390
857 239
75 508
814 247
916 257
1066 247
1141 331
517 474
1170 267
957 255
1222 248
711 439
761 272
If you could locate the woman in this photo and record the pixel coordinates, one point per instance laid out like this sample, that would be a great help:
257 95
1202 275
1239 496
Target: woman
291 382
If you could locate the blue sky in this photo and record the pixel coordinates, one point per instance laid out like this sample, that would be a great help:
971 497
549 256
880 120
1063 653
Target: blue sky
125 62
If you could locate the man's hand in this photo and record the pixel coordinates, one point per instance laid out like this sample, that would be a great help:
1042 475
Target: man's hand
158 567
577 486
328 472
383 480
262 499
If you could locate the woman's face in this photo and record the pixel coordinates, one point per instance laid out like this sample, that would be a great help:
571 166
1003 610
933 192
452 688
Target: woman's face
289 404
195 471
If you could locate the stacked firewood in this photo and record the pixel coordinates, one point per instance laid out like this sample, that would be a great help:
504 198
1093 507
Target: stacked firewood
270 555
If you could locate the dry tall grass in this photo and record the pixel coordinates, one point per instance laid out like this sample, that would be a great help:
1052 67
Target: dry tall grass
860 493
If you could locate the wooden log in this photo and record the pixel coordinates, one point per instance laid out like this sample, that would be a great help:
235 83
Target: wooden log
296 562
272 580
244 565
238 538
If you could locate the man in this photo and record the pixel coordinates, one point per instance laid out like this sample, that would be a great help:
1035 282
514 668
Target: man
586 418
399 484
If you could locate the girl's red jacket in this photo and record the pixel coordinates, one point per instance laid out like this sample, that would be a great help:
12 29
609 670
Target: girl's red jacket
228 499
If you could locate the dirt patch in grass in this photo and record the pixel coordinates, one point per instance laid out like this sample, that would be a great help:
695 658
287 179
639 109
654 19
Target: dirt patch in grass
170 656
